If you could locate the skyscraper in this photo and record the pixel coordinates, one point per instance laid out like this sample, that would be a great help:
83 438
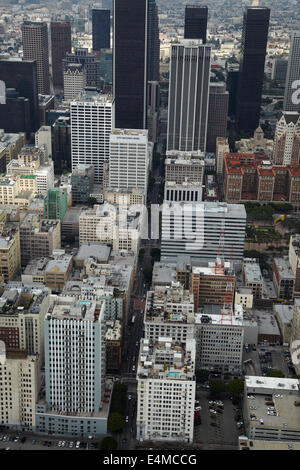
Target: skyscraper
253 53
188 96
89 62
101 29
130 63
153 42
287 139
217 114
22 76
195 25
60 45
293 74
35 47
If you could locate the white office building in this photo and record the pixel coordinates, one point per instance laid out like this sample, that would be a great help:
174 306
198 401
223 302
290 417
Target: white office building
92 120
291 96
166 390
130 156
74 80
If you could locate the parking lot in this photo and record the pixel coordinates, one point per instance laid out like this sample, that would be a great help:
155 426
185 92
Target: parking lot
218 428
266 358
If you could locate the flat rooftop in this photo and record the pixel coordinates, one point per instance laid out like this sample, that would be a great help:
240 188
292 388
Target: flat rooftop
285 313
97 250
284 269
252 272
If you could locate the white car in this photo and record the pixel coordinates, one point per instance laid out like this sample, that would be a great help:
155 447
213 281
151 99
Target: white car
77 444
126 419
129 396
71 444
60 444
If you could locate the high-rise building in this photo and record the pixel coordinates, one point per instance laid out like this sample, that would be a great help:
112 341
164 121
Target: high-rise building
15 113
61 148
90 63
287 139
22 75
153 111
130 63
291 102
232 86
279 70
35 47
55 204
82 183
253 53
188 96
92 120
74 80
153 54
195 26
129 160
217 115
222 147
101 29
60 44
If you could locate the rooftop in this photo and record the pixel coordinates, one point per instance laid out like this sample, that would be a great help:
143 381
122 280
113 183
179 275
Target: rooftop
284 268
252 271
96 250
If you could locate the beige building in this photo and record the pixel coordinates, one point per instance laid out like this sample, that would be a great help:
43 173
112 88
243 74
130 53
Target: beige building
57 272
284 316
252 276
19 387
244 297
135 196
257 144
294 261
184 166
10 145
10 256
222 147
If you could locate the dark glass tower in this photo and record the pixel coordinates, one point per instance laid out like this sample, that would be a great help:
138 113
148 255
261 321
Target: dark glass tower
101 29
195 25
22 76
130 63
253 53
153 42
60 45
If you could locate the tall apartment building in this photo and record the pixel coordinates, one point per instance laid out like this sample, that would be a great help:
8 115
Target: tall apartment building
55 204
250 177
82 183
194 229
10 262
129 160
130 63
19 387
222 147
252 63
75 398
100 29
184 166
74 80
294 261
89 62
38 237
22 76
287 139
35 47
195 26
217 115
60 44
166 390
211 283
92 120
188 96
169 313
291 101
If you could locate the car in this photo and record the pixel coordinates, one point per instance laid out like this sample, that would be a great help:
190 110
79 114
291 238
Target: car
213 411
126 419
63 443
71 444
16 439
60 444
129 396
133 368
33 441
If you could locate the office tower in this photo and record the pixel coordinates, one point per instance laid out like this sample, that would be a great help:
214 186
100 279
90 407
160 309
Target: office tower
82 183
92 120
188 96
106 70
279 70
43 137
153 111
22 76
35 47
232 86
90 63
253 53
61 144
181 167
217 114
183 192
15 113
291 101
195 25
287 139
74 80
129 160
130 63
60 44
166 391
194 229
222 147
153 54
101 29
55 204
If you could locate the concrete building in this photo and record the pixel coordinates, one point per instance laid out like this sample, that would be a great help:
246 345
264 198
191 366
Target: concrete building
10 257
282 422
194 229
129 160
222 147
184 192
284 316
124 197
10 146
287 139
92 120
38 237
166 390
43 137
294 261
55 204
61 43
283 278
290 102
74 80
184 166
244 297
252 276
89 62
188 95
256 144
113 345
82 183
217 114
57 272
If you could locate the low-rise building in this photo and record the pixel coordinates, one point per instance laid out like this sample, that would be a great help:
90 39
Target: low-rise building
10 256
184 166
284 316
244 297
283 278
113 345
294 260
82 183
57 272
252 276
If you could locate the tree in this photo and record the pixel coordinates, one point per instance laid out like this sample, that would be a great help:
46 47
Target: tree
109 443
235 387
202 375
216 387
115 422
275 373
92 201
